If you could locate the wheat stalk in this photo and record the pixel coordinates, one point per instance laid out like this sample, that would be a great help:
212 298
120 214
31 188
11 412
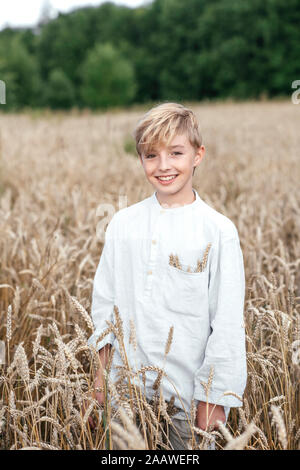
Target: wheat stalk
241 441
278 420
8 324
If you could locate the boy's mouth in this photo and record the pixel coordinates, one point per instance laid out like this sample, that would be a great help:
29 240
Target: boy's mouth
166 179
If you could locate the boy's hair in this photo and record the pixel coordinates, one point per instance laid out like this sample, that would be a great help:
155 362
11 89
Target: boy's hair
162 122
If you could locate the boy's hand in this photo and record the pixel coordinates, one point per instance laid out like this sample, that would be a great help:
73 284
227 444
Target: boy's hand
99 381
214 413
99 396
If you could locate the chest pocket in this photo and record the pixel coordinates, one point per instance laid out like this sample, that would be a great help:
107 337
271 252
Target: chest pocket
185 287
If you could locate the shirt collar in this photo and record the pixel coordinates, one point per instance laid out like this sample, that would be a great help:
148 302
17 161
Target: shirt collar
154 201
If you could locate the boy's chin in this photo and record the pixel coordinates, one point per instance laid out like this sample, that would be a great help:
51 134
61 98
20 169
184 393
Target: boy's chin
166 189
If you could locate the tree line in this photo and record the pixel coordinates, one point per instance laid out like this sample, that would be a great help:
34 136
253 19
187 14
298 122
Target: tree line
110 55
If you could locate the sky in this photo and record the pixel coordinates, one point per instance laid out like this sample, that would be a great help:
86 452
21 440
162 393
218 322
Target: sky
26 13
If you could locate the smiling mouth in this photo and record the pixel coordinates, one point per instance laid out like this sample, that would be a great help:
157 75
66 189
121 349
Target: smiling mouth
166 178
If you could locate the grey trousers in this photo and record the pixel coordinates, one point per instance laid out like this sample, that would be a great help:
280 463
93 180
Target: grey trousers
180 434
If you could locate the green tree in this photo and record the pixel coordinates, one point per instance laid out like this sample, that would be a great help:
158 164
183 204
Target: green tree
59 90
19 70
107 78
64 41
233 38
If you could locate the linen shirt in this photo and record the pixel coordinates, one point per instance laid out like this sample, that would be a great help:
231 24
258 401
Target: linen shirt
205 308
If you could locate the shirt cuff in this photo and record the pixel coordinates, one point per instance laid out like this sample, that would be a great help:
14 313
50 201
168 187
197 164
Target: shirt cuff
108 339
216 397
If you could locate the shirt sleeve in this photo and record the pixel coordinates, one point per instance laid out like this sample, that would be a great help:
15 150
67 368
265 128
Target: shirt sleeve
225 348
103 291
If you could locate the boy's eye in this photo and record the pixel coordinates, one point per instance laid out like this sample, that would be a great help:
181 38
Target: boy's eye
153 155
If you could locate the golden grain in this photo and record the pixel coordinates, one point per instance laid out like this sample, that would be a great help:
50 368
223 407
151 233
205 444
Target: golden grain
8 324
278 420
241 441
49 247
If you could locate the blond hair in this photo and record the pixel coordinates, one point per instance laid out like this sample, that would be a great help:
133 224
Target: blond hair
162 123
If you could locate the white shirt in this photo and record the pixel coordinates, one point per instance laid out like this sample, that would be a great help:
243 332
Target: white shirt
205 308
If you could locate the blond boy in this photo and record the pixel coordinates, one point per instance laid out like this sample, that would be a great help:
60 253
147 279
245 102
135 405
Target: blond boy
171 260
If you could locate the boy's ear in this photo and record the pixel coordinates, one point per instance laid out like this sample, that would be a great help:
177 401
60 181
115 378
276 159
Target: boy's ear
200 153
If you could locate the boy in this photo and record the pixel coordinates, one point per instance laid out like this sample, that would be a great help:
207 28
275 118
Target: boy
172 260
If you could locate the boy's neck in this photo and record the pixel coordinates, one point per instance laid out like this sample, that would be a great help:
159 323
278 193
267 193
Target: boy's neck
169 201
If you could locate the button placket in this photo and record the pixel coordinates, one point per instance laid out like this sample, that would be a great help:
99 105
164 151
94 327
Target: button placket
153 257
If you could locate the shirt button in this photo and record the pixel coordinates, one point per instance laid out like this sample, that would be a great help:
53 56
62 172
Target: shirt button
153 241
150 272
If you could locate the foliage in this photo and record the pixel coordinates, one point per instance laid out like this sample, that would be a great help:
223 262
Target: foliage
107 78
19 71
171 50
60 91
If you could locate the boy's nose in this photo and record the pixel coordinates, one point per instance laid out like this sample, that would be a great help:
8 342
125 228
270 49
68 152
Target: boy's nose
164 163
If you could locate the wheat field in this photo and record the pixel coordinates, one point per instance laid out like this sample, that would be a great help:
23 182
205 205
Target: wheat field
55 171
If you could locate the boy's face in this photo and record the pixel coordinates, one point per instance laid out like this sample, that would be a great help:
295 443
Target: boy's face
179 159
